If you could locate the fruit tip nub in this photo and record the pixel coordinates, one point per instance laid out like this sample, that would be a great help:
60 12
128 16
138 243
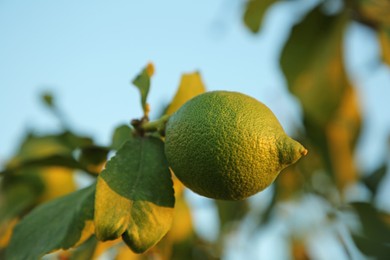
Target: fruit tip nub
304 151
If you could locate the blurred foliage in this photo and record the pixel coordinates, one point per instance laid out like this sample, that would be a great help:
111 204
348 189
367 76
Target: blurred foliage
41 199
142 82
254 13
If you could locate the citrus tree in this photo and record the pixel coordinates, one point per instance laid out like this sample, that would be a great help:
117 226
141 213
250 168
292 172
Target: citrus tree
132 205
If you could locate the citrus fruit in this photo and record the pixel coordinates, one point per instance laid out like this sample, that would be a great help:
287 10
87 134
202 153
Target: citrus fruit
227 145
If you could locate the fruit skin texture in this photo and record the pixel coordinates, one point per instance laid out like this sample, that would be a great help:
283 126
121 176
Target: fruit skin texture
227 145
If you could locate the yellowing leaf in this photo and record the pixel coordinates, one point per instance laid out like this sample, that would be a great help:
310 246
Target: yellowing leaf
182 221
6 232
150 69
342 132
384 40
124 253
375 11
190 86
102 247
134 196
289 183
58 181
299 250
254 13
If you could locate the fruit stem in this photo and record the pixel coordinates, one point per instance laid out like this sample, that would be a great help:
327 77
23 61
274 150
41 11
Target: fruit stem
157 125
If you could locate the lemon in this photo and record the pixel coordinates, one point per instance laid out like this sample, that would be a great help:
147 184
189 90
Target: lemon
227 145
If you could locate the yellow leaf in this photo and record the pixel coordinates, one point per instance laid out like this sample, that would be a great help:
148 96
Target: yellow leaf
190 86
182 222
289 182
384 40
102 247
58 181
124 253
375 11
6 232
299 251
87 232
342 133
150 69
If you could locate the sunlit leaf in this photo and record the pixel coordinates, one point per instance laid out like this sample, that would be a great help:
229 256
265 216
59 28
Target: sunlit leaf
124 253
374 12
190 86
58 181
254 13
121 134
142 82
289 182
6 233
59 224
182 220
134 197
384 40
342 133
299 250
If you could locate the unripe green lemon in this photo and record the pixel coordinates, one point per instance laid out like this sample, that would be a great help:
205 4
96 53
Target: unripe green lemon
227 145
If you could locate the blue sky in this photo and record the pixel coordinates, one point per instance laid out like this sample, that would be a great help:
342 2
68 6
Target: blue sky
87 52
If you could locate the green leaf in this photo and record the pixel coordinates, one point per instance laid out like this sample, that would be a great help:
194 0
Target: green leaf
85 250
18 193
134 196
53 160
373 180
190 86
48 99
59 224
142 82
48 150
374 240
121 134
35 148
254 13
231 211
93 157
312 61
